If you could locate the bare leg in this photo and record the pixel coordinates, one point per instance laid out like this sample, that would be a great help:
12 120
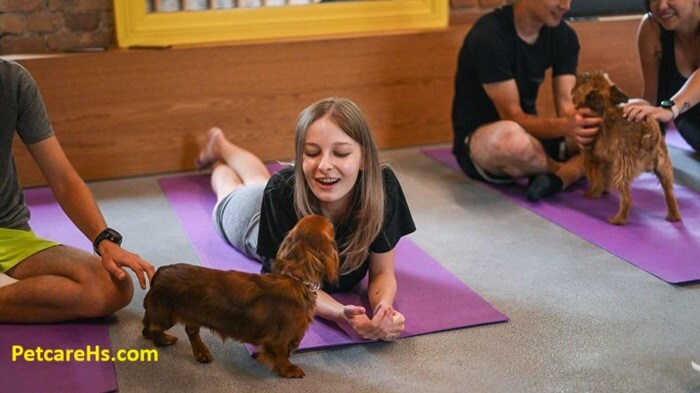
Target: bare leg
224 180
504 148
571 171
6 280
61 283
240 167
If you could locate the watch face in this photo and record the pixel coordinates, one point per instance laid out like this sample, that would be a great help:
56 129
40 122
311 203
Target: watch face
668 104
108 234
114 236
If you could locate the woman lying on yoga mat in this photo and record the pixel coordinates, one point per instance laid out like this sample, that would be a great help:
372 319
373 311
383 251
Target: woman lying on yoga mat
669 48
336 173
40 280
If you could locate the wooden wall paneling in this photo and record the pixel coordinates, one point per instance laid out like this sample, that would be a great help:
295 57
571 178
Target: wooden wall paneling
124 113
134 112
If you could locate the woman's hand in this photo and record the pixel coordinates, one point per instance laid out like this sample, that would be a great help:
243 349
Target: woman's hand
638 112
386 323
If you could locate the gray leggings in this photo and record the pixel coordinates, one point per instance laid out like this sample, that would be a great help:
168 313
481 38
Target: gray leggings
237 218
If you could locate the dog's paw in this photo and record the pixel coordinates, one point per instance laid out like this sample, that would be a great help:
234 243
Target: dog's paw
673 217
163 340
203 356
292 371
617 220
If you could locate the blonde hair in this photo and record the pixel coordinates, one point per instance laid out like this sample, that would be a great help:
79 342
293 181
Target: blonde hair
365 216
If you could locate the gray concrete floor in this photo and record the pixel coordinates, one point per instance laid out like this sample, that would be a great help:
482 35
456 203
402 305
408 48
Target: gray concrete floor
581 319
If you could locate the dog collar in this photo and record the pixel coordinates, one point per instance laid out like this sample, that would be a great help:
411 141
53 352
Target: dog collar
313 286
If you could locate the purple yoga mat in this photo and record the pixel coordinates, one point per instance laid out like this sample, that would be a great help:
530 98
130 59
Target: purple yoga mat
90 375
667 250
674 138
431 298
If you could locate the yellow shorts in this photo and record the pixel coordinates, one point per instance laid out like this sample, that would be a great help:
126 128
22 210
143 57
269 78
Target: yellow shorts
17 245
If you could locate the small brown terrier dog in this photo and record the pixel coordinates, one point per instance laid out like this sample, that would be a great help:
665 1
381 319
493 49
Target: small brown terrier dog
622 149
271 311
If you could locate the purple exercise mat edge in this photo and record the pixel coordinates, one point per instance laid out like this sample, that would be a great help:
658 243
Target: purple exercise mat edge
645 236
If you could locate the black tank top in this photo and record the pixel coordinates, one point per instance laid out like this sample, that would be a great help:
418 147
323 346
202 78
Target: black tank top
670 80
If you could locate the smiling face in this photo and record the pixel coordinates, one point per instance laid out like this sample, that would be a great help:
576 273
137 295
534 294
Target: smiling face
331 164
674 13
549 12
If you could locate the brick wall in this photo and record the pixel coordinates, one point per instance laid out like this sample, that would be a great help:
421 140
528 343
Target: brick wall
36 26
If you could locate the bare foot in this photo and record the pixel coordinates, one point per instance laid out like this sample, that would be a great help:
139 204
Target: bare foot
207 155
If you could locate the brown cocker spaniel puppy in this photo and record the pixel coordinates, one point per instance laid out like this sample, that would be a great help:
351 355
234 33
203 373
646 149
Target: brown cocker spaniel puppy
622 149
271 311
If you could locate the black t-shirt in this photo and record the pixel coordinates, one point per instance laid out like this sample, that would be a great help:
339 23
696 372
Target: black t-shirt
670 81
277 217
493 52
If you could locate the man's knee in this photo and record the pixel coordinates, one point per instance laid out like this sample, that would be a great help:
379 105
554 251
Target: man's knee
109 296
101 294
512 143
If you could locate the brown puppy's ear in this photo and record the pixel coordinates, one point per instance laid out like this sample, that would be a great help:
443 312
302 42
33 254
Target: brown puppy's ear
281 265
595 101
617 96
287 253
332 265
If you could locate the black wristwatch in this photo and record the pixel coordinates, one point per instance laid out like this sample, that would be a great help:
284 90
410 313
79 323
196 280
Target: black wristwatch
670 105
108 234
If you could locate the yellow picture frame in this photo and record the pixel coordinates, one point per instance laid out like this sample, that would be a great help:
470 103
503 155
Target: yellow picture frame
136 27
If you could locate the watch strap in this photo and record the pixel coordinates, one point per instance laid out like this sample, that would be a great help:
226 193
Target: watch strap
670 105
108 234
675 111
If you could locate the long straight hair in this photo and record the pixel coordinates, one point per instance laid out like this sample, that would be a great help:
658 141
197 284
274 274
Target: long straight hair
365 216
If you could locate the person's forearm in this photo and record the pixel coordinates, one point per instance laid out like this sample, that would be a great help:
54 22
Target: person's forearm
382 290
77 202
689 95
542 127
328 308
638 101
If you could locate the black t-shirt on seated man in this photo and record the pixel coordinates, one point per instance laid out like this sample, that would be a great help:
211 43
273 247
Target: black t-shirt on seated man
493 52
277 217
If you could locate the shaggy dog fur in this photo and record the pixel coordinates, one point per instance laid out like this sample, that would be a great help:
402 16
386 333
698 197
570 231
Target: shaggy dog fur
622 149
271 311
